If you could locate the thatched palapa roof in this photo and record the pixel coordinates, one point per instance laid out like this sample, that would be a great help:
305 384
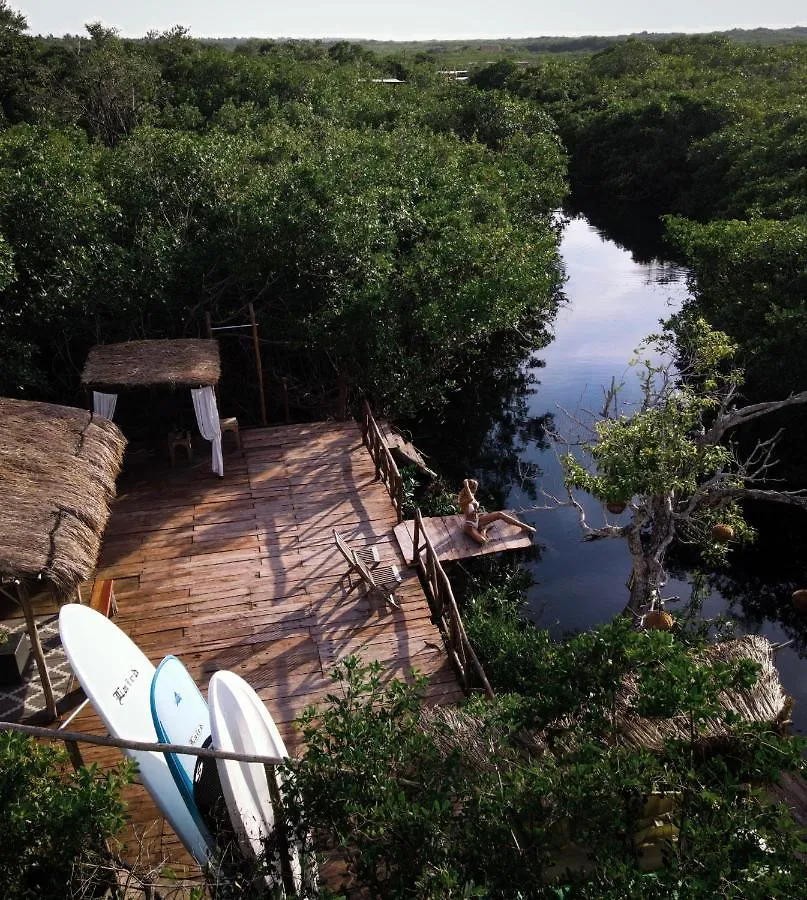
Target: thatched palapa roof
482 747
177 363
57 476
766 703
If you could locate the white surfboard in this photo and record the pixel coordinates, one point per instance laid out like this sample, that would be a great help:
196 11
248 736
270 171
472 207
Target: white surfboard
240 722
180 716
116 677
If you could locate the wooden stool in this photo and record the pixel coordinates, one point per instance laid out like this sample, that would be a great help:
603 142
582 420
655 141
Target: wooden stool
179 439
231 424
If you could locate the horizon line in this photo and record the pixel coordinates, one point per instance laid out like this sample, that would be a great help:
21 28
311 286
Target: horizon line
419 40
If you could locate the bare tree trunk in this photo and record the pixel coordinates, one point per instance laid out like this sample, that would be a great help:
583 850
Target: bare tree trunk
648 542
640 587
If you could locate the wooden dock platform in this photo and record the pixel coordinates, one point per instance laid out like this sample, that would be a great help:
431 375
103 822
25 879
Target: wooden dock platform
242 573
450 542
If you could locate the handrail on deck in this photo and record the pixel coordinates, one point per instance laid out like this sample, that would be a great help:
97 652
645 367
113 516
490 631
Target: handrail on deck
445 606
386 469
59 734
447 612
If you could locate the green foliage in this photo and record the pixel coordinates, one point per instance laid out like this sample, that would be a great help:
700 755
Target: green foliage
649 453
392 235
431 496
695 124
631 58
754 167
681 461
656 456
581 676
638 150
7 272
10 20
751 281
54 821
113 84
435 811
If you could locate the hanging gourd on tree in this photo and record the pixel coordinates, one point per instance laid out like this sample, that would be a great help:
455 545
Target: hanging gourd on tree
722 533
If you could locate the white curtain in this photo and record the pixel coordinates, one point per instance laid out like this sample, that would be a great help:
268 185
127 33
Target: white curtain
207 418
104 404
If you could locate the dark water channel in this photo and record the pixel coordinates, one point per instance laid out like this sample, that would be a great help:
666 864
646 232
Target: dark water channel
613 302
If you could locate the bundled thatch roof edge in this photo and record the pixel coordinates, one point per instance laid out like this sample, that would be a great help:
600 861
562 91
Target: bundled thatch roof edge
58 467
456 730
187 362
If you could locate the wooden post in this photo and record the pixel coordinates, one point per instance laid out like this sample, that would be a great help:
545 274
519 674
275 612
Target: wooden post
341 411
36 648
395 484
258 366
284 384
375 452
74 753
416 537
208 327
365 422
72 747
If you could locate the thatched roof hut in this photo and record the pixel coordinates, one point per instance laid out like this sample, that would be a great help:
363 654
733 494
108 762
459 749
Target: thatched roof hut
766 703
177 363
57 476
457 731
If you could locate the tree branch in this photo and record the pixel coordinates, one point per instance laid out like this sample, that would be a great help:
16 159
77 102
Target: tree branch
731 419
589 533
788 498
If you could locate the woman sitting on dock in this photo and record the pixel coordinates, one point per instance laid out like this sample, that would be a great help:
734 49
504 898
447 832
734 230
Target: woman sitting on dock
476 524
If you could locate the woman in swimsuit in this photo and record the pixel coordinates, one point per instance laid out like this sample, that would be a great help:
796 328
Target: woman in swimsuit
476 524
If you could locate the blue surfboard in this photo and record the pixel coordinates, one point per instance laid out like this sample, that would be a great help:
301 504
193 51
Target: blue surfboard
180 717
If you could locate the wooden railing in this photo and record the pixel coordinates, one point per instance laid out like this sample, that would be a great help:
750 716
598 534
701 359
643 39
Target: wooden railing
446 611
385 468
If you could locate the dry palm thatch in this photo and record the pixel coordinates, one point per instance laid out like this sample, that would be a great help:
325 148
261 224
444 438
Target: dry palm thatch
57 476
766 703
179 363
481 747
455 731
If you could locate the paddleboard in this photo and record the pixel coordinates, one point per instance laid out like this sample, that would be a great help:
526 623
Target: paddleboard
180 716
241 723
116 677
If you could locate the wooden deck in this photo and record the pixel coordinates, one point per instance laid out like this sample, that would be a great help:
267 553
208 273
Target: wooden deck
242 573
450 542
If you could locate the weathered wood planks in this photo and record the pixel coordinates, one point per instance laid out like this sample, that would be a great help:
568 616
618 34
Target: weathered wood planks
241 573
450 542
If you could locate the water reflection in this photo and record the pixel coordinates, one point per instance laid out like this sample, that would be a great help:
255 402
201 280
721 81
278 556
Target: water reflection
486 429
498 430
614 302
630 228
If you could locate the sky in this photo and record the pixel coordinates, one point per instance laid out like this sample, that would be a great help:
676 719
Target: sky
407 19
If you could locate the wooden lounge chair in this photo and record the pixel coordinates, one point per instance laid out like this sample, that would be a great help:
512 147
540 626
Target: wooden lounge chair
381 580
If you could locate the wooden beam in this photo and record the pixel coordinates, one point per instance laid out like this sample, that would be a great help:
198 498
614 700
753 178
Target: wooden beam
36 648
258 365
76 737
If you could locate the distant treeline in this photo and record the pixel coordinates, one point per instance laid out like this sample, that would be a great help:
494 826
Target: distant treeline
479 50
711 135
